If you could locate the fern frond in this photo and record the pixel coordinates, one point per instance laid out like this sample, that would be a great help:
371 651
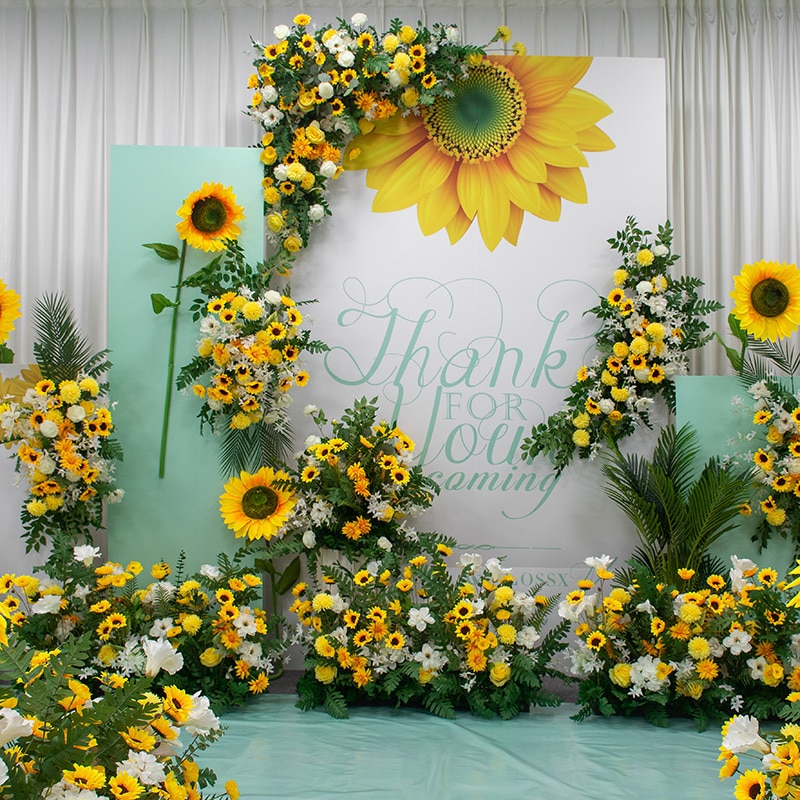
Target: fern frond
252 448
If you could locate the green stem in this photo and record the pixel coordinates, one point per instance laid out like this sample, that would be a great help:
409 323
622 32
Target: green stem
171 365
273 585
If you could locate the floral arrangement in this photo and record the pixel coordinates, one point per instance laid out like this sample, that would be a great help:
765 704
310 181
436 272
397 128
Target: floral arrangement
61 429
9 311
778 754
249 356
204 632
315 90
649 322
62 739
697 649
358 487
408 631
767 311
210 219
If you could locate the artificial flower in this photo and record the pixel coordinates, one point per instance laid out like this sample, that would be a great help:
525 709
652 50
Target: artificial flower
767 297
210 215
255 506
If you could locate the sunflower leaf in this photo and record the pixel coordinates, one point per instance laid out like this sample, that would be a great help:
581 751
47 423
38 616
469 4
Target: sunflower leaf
166 251
160 302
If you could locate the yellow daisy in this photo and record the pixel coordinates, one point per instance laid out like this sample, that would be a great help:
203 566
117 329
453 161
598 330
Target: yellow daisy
510 139
767 296
253 506
210 216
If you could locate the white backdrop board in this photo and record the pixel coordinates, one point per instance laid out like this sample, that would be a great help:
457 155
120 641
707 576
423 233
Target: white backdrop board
467 348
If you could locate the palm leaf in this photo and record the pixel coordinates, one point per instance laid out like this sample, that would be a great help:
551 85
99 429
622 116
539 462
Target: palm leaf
60 349
250 449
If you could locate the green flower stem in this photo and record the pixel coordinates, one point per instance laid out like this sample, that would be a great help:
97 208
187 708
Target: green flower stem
274 597
171 364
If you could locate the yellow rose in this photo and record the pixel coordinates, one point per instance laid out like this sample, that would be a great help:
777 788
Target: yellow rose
426 675
499 674
210 657
325 673
407 34
410 97
274 222
314 134
292 243
621 675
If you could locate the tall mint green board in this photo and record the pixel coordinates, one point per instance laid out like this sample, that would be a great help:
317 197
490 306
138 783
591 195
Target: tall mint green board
707 404
159 517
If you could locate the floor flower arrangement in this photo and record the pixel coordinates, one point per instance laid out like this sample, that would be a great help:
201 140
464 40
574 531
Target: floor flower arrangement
417 630
696 649
649 323
61 738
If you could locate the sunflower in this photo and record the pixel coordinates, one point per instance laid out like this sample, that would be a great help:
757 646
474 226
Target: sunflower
767 296
511 138
9 311
209 216
254 506
752 785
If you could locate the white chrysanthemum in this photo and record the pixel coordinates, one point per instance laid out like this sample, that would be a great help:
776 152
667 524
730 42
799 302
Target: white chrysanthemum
145 767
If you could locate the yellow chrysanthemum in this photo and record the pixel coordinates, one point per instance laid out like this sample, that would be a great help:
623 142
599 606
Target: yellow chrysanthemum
9 311
767 296
210 216
253 506
510 139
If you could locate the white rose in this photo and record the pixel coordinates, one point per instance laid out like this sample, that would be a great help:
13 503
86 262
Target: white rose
281 172
316 212
325 90
660 250
309 539
280 32
395 78
452 33
311 441
76 413
384 543
49 429
358 19
309 410
270 94
345 59
644 287
211 572
642 375
272 297
46 465
327 169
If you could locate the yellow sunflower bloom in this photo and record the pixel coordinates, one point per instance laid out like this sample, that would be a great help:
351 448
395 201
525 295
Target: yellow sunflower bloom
9 311
210 216
253 506
767 296
511 139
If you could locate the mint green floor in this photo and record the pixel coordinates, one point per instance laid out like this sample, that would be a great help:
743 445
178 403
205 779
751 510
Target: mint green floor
274 750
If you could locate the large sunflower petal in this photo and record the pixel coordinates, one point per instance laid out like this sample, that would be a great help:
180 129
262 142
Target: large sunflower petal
546 79
374 149
515 218
569 183
580 109
436 209
493 206
469 188
550 207
422 172
593 140
522 193
527 161
458 226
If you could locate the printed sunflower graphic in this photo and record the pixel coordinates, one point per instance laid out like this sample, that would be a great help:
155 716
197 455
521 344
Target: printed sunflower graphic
767 296
512 138
210 216
254 506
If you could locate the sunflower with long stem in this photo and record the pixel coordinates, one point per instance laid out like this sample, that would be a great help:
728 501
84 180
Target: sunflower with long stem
209 218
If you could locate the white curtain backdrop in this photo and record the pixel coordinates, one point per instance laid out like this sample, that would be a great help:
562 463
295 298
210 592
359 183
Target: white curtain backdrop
81 75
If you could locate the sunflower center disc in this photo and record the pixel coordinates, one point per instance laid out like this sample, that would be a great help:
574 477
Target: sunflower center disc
482 119
209 214
770 297
259 502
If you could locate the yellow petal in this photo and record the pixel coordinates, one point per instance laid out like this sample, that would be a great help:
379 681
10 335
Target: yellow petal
458 226
525 159
493 207
469 188
581 109
594 140
422 172
521 192
547 127
550 207
514 224
568 183
436 209
377 149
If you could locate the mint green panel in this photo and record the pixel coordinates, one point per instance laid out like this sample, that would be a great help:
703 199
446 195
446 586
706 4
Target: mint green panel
707 404
159 517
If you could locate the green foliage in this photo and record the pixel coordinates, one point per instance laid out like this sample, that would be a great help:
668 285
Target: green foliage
677 516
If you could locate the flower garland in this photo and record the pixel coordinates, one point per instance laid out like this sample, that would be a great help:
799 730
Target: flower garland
314 90
649 322
249 355
404 630
693 650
